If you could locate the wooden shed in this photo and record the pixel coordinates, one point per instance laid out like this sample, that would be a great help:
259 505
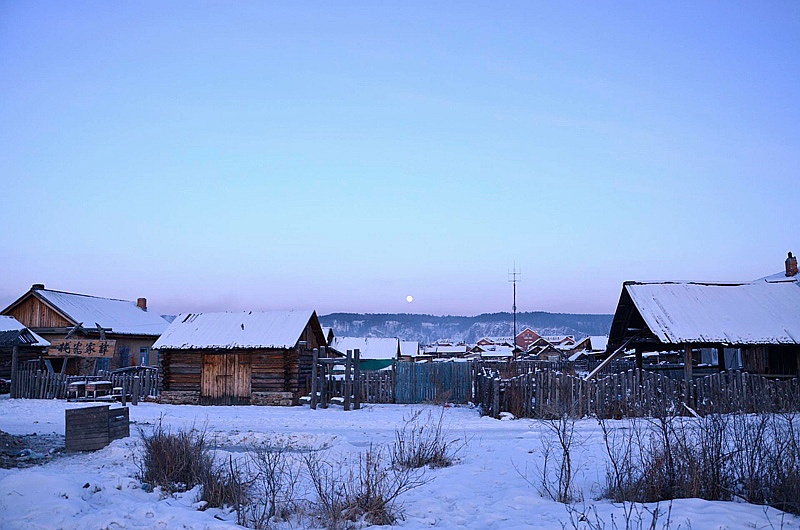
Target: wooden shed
239 358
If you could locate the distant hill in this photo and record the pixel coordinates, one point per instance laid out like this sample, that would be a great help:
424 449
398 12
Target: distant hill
428 328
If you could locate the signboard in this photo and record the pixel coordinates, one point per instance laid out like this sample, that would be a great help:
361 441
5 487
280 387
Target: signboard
81 348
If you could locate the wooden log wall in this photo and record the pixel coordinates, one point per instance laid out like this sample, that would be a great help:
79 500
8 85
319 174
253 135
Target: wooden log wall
181 370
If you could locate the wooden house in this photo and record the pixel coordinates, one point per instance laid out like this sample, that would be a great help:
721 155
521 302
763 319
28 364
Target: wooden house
526 337
760 319
87 333
239 358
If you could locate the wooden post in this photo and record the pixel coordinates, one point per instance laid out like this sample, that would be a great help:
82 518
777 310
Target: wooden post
135 391
348 366
323 389
14 374
357 379
687 359
124 391
721 358
496 398
314 377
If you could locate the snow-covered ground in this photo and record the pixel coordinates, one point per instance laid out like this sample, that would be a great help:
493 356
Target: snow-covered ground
483 491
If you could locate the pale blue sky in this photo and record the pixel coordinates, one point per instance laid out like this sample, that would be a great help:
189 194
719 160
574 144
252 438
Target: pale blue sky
344 155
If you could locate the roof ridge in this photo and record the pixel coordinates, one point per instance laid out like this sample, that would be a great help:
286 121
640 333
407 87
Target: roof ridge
85 295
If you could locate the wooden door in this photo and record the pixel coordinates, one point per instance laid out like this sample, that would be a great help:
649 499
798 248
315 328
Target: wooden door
225 379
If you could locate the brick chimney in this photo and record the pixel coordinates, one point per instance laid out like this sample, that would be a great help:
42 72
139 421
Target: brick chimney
141 303
791 266
37 287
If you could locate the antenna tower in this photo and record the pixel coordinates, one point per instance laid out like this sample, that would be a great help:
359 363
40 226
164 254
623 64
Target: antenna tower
514 276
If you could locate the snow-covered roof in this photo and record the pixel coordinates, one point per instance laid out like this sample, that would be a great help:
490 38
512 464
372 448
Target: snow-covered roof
599 342
577 355
447 350
242 329
10 324
409 348
370 347
122 316
496 351
780 277
760 312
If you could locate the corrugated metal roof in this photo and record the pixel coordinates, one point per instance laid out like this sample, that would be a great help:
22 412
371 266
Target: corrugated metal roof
371 347
244 329
8 323
760 312
122 316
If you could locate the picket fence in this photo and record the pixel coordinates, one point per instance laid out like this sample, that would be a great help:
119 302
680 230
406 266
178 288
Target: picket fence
549 394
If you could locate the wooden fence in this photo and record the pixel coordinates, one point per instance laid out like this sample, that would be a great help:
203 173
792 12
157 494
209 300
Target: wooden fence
548 394
377 386
40 384
433 382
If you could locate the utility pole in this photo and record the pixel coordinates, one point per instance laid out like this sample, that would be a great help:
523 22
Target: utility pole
514 276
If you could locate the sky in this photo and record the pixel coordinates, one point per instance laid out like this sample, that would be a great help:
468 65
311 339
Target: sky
343 156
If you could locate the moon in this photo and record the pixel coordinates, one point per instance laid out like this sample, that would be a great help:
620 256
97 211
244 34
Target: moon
409 299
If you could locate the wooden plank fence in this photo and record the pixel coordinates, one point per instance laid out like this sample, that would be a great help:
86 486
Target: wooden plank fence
433 382
40 384
548 394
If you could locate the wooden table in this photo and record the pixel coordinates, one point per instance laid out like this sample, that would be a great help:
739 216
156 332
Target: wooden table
97 389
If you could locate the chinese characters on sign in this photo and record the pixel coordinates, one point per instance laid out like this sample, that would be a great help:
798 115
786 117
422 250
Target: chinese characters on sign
81 348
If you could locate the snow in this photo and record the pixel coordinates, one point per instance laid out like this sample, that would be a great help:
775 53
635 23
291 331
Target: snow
484 490
599 342
409 348
8 323
749 313
370 347
239 329
122 316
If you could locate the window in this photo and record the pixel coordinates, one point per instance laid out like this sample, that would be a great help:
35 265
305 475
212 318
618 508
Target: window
144 356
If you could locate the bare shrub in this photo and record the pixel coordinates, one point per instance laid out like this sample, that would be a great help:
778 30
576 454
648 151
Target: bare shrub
783 464
634 517
181 460
422 441
718 457
275 473
555 477
365 490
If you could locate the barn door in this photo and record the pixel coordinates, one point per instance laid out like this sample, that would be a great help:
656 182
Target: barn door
225 379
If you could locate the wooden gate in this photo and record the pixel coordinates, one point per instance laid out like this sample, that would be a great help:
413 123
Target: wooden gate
226 379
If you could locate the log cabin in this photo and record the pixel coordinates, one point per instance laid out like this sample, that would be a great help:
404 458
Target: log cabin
239 358
758 322
88 333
